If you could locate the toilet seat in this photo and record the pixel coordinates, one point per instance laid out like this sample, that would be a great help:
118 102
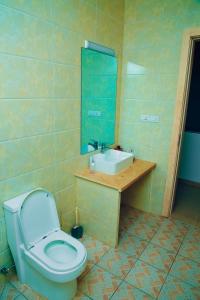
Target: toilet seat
53 268
39 251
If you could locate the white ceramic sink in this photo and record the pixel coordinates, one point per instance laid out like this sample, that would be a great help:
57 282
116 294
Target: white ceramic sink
112 161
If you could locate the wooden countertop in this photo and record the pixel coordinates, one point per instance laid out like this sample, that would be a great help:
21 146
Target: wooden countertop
122 180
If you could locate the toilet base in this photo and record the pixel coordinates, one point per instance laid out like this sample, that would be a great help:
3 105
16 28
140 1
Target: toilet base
50 289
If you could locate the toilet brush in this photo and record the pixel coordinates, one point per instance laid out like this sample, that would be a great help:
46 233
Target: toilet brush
77 230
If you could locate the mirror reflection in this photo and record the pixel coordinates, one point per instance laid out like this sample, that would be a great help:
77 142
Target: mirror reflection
98 99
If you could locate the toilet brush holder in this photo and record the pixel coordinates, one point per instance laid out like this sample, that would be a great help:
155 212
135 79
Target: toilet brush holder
77 230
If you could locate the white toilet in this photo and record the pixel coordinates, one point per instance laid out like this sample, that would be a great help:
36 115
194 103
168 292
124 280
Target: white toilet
46 258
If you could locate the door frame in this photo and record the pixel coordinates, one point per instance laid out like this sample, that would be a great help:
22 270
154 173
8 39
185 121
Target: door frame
183 86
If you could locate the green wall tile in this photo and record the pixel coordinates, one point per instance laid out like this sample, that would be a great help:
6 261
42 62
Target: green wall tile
153 33
40 51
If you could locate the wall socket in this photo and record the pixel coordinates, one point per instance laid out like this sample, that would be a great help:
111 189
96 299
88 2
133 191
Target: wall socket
150 118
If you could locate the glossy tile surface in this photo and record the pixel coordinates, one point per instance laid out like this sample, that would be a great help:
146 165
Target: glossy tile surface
147 278
150 73
176 289
132 245
158 257
138 268
40 95
117 262
186 270
128 292
99 284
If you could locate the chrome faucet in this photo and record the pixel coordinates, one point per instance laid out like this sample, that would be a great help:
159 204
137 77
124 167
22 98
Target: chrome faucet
103 147
94 144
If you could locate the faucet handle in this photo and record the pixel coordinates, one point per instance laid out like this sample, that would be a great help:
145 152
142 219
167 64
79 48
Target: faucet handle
94 143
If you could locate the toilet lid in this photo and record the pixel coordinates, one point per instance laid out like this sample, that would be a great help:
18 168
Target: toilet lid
38 216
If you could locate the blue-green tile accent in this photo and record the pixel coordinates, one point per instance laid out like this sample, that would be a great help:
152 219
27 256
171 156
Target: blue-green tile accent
128 292
158 257
146 278
174 288
186 270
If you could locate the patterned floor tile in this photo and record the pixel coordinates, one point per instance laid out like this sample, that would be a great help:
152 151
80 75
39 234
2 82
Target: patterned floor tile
129 212
142 229
158 257
132 245
9 292
25 289
191 248
124 225
32 295
146 278
95 249
187 270
89 266
175 225
128 292
80 296
194 233
20 297
170 240
175 289
117 263
2 285
139 223
98 284
152 219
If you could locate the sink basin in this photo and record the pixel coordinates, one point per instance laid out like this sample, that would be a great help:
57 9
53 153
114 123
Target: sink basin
112 161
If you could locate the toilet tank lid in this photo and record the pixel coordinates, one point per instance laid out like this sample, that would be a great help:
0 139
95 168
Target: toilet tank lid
13 205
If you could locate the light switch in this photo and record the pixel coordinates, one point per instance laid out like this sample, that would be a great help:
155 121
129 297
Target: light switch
94 113
150 118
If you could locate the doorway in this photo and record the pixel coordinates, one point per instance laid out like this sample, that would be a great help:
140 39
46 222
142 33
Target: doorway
186 205
191 42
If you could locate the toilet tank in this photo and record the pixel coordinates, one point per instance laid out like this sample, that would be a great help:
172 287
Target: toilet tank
29 218
14 236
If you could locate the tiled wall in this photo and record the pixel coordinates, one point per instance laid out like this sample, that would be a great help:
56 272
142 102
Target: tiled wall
40 44
99 213
153 33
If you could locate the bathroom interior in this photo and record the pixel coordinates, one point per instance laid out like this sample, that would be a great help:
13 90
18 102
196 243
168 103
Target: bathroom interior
79 78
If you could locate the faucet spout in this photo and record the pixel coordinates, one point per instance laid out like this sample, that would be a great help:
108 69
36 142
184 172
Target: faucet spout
94 144
104 147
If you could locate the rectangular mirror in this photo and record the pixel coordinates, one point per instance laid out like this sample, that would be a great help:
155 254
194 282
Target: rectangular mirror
98 99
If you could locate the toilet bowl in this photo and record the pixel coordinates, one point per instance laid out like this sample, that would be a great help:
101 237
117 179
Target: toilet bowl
47 259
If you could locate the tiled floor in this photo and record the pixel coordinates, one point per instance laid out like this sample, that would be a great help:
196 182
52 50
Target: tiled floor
187 204
157 258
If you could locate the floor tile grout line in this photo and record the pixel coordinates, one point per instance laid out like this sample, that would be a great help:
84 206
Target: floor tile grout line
138 289
171 265
177 252
14 286
138 259
121 282
96 264
154 266
6 285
